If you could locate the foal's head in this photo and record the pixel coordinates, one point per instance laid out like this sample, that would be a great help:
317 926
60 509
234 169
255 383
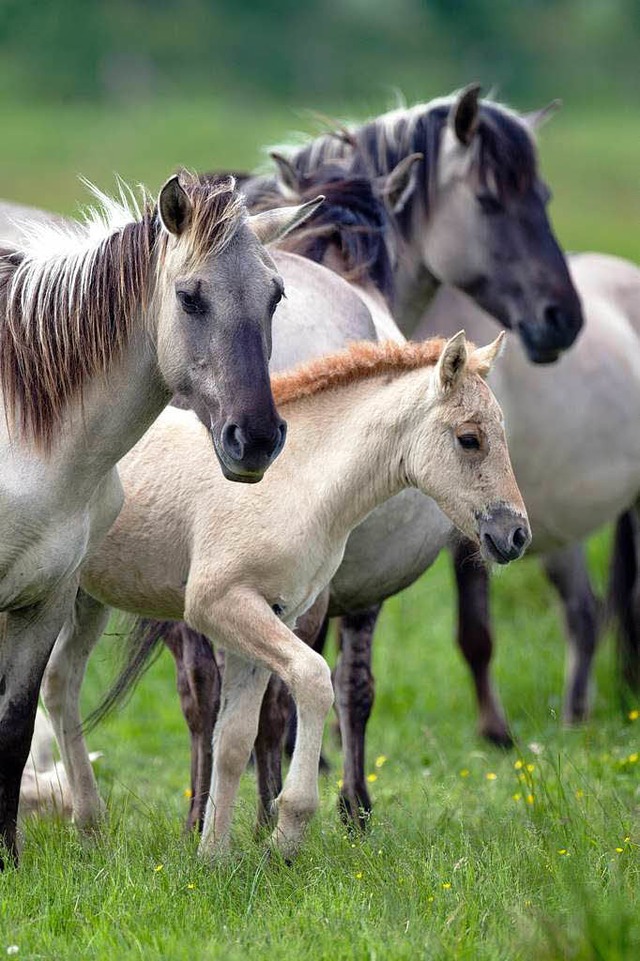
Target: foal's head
461 458
219 289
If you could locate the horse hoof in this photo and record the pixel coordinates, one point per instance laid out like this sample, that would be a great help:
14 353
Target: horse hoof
499 738
354 812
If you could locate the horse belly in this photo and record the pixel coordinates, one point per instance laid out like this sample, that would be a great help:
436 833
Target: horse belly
388 551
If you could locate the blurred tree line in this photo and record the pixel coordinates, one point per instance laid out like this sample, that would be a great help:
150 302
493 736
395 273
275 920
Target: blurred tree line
317 51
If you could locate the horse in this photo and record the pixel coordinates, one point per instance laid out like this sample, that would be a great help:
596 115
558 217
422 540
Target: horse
241 566
473 170
101 323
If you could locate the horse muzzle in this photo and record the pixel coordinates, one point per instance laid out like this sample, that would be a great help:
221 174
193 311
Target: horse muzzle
504 535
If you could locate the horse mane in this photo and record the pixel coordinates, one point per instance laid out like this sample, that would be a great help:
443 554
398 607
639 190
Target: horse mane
504 160
359 361
351 216
70 294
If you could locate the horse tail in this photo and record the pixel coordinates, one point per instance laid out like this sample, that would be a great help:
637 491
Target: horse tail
144 646
623 588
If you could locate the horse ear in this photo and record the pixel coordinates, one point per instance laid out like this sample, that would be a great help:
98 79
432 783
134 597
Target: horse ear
537 118
452 362
174 207
287 175
463 116
485 357
396 188
272 225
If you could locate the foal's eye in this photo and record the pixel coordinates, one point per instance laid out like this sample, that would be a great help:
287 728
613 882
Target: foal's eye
469 441
192 302
490 204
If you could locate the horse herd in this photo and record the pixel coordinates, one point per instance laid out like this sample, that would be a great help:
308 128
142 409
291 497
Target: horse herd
422 221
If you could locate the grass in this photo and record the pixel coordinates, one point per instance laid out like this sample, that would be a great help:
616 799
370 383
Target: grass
472 853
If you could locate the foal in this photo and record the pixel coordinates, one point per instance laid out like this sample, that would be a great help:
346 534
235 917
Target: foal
241 566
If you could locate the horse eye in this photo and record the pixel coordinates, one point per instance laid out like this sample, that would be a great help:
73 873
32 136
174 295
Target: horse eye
469 441
191 303
277 297
490 204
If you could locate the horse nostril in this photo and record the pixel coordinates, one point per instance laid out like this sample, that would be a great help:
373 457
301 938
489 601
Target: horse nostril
519 538
556 318
233 441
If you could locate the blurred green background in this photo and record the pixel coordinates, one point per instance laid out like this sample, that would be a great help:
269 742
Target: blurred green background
95 87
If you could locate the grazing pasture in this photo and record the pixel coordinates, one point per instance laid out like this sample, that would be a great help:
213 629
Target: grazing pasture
472 853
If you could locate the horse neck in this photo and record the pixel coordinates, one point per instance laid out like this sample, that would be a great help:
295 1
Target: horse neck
115 410
356 441
414 285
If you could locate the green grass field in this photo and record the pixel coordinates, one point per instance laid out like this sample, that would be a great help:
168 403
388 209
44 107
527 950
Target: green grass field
472 853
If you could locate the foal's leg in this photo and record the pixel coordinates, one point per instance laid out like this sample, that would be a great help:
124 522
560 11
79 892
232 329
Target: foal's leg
354 686
243 686
29 635
245 625
567 571
475 639
198 683
61 694
278 713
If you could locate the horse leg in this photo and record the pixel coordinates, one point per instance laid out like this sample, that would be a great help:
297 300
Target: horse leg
277 716
475 640
243 686
61 694
277 708
354 686
29 636
624 596
246 627
318 645
198 684
567 571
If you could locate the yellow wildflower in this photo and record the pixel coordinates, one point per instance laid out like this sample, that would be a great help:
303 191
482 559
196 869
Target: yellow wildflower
619 850
531 768
158 867
358 875
190 887
530 798
517 796
634 715
446 885
562 850
188 792
340 783
579 793
371 778
464 772
518 765
380 760
491 776
633 758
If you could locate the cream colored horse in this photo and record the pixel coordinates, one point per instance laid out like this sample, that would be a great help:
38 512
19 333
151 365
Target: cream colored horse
241 566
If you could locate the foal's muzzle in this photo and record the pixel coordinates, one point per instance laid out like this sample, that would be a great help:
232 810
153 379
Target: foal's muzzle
504 535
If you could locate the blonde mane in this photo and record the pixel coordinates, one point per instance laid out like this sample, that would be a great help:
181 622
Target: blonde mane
360 360
70 294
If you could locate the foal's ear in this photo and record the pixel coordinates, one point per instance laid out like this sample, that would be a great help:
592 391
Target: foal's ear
396 188
272 225
485 357
452 362
537 118
463 116
174 207
287 175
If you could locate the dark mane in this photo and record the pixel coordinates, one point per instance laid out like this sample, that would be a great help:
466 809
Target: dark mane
352 217
505 157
